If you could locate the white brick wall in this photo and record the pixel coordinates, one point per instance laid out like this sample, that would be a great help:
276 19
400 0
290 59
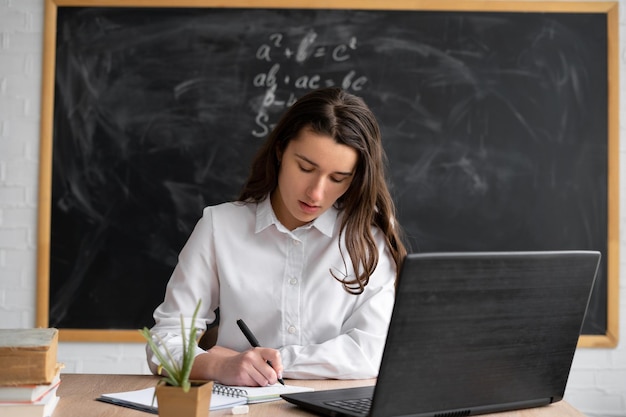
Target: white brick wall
597 384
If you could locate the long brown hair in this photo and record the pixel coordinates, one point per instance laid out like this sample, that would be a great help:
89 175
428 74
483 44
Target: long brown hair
367 202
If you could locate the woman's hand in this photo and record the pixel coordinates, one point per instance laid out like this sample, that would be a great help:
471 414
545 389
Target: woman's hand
229 367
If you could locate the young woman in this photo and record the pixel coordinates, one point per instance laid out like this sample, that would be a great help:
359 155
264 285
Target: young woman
307 256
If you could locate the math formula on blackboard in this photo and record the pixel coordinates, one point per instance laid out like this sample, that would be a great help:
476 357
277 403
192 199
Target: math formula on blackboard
309 53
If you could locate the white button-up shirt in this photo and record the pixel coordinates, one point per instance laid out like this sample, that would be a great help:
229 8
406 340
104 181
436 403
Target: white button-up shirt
241 259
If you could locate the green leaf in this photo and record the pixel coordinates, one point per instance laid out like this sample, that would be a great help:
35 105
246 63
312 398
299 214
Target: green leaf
176 374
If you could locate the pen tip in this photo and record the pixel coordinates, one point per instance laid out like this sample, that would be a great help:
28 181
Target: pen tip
281 381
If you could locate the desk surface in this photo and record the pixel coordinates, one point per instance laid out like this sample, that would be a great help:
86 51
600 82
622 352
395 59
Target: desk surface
79 391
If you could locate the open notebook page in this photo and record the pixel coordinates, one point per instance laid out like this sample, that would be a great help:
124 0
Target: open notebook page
261 394
143 400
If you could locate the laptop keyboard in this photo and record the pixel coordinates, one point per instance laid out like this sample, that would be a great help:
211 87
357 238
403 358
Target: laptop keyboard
359 405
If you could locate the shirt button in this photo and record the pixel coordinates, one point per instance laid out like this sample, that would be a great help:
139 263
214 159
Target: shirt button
293 281
292 329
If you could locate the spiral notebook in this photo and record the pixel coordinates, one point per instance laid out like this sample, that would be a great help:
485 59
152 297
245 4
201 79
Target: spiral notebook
261 394
223 396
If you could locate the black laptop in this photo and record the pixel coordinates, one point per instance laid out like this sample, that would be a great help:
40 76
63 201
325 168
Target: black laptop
474 333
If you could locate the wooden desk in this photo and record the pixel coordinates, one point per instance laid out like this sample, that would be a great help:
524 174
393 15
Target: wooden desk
79 391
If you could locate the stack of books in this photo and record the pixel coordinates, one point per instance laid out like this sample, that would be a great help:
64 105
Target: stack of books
29 372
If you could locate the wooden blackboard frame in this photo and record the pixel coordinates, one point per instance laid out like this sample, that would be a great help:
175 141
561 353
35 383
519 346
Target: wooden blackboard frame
610 9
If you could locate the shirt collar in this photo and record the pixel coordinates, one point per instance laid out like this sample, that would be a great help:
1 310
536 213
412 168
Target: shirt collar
265 217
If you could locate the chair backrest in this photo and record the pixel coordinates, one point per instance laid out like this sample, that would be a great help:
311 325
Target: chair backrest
209 337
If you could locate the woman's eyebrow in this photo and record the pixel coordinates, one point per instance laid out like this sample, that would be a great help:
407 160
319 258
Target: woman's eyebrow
304 158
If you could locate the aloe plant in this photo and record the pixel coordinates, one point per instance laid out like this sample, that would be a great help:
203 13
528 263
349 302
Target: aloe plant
177 374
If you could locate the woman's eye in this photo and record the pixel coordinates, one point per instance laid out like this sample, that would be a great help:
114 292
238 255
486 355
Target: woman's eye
337 180
303 169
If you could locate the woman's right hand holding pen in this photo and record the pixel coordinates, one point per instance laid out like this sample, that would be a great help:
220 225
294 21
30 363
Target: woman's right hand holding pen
229 367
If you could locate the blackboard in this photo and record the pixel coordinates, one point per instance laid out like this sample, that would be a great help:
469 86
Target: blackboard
496 124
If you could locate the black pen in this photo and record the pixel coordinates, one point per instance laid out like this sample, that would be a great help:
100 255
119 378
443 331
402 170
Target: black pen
255 343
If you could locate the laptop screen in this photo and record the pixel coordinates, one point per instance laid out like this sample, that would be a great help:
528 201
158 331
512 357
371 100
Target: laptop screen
484 330
474 333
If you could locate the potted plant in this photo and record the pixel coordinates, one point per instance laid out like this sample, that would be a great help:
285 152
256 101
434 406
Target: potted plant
176 394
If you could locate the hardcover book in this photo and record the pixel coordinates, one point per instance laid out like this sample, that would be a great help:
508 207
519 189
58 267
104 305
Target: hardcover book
28 356
25 393
44 407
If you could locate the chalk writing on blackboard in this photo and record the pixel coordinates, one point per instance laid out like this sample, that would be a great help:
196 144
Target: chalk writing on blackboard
308 50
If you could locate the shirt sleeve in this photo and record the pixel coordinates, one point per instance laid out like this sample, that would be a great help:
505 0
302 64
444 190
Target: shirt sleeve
194 278
356 353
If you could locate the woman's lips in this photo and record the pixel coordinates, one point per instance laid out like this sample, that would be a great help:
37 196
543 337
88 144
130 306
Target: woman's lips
307 208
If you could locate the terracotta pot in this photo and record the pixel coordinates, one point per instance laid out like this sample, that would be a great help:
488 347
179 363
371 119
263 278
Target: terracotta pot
174 402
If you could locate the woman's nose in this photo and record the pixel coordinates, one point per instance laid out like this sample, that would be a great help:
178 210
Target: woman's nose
316 190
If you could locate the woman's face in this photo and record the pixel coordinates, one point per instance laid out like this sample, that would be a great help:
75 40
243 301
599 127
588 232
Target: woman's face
314 172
